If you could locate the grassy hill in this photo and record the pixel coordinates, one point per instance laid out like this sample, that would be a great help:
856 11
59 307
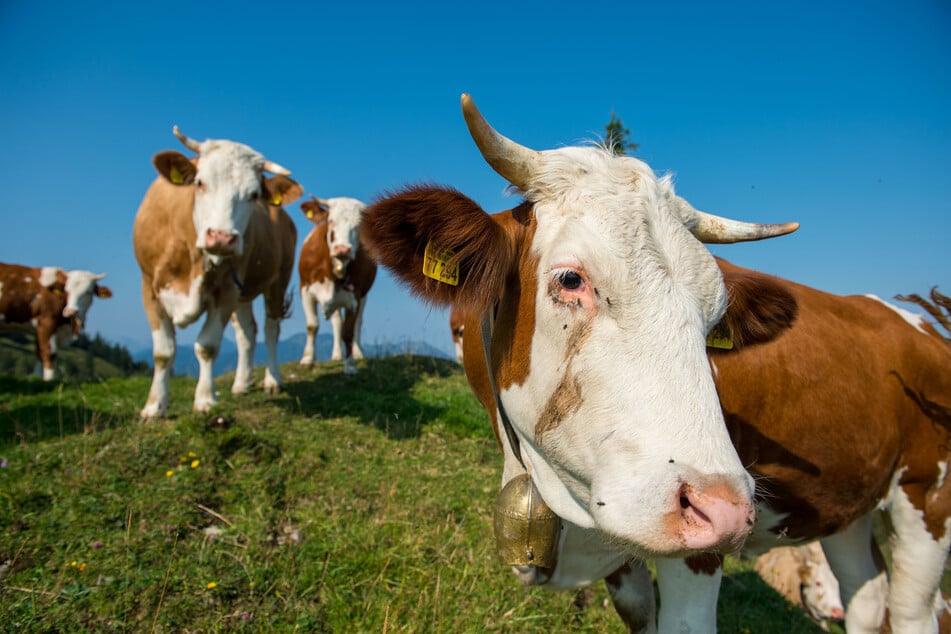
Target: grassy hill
346 504
86 359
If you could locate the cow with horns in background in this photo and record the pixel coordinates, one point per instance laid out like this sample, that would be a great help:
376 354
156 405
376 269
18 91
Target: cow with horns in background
591 302
210 236
49 302
336 274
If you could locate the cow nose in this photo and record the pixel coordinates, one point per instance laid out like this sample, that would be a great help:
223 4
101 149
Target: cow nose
341 251
220 242
714 516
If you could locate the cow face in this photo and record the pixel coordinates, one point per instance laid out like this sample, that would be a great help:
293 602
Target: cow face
602 297
81 287
343 232
229 186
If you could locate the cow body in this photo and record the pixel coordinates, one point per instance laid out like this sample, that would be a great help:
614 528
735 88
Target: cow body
336 273
596 296
49 302
210 236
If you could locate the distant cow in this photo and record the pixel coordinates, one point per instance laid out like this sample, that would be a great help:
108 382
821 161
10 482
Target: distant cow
336 273
595 296
50 302
803 576
209 237
457 325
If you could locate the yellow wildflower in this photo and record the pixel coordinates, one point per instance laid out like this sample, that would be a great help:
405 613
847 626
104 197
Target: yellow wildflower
170 473
211 584
195 463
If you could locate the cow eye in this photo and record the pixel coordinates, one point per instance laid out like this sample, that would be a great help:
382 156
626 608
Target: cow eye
570 280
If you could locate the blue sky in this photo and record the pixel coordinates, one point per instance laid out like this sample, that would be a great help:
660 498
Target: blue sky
832 114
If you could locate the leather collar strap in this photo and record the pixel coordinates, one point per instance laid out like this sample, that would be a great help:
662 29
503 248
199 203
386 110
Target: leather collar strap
488 322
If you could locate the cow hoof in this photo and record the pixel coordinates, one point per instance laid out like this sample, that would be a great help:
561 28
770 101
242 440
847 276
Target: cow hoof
307 362
151 412
240 389
204 406
350 367
336 357
272 390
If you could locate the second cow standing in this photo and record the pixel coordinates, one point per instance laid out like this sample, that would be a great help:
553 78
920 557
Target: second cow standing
336 273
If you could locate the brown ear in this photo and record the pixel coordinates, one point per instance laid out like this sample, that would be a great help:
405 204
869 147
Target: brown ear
314 211
760 307
103 291
175 167
474 248
282 190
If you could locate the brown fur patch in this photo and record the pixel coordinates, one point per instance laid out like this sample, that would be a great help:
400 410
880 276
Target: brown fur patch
760 307
705 563
564 400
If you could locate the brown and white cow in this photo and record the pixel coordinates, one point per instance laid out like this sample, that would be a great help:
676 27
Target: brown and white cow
802 575
336 273
600 295
210 236
49 302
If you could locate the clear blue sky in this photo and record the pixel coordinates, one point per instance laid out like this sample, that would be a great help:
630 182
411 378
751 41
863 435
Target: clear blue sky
832 114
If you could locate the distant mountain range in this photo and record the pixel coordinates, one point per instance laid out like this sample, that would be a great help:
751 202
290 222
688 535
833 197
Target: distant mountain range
289 349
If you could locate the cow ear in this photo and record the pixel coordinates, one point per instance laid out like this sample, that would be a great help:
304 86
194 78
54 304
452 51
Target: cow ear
313 210
175 167
441 245
282 190
759 307
103 292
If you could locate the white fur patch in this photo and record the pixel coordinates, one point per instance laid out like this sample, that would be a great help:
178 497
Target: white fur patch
916 321
47 276
183 309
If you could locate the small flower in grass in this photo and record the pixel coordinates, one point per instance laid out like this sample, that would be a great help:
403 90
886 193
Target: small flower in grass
96 545
245 616
169 473
192 454
195 463
211 585
3 463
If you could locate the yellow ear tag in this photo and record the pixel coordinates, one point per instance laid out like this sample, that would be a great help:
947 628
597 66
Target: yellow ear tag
309 214
175 176
276 201
436 265
720 337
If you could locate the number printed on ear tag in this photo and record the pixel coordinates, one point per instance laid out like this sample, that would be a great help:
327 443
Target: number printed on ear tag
436 265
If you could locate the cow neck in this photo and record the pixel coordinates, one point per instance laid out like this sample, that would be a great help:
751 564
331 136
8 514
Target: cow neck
207 265
488 324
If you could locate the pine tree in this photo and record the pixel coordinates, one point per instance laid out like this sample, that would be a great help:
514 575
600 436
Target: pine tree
616 136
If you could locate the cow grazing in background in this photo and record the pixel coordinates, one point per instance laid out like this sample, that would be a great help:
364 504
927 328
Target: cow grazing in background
803 576
457 326
595 296
49 302
336 273
209 237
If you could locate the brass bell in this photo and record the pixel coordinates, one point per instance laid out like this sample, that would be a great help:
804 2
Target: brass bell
526 529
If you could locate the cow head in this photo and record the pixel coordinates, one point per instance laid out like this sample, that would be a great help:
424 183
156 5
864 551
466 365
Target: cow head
343 231
229 185
81 287
602 295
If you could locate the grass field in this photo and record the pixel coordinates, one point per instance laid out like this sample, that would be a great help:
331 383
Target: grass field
346 504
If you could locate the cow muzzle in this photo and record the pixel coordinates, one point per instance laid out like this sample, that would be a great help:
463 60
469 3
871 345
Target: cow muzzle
526 529
219 242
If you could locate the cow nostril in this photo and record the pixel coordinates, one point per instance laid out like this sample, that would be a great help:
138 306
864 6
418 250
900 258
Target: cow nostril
684 502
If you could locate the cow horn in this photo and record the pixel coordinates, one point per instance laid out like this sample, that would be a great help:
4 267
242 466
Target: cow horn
274 168
513 162
191 144
711 229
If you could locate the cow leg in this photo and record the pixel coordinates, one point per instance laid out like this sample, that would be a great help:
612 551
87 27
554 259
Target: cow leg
688 598
163 359
918 557
347 334
336 324
313 325
206 350
274 312
46 350
245 335
358 327
863 584
632 592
